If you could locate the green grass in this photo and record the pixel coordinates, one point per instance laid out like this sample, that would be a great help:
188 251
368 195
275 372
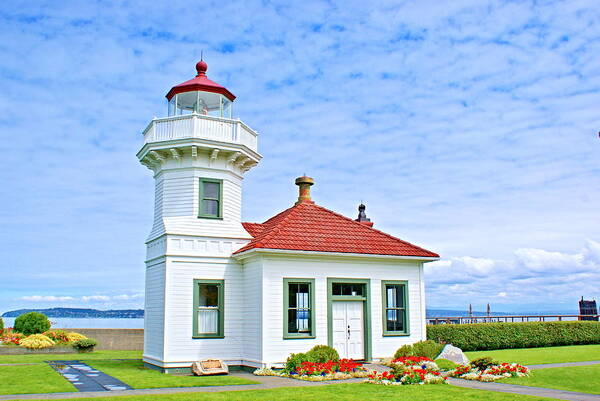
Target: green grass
535 356
585 379
38 358
337 392
32 379
137 376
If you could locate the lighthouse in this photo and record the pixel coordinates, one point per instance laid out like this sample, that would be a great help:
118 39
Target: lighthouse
248 293
198 155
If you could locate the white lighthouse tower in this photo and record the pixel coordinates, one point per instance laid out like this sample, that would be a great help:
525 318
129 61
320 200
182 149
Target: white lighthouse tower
198 155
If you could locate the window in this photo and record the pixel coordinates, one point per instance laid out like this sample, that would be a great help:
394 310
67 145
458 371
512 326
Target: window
298 308
352 289
208 309
211 192
395 308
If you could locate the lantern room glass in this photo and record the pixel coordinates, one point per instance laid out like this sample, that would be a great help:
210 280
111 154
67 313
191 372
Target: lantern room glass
199 102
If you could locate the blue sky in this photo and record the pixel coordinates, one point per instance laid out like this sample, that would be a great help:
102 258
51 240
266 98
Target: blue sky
467 127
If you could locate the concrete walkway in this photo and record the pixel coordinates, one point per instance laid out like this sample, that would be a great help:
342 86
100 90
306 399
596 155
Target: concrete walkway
562 365
267 382
524 390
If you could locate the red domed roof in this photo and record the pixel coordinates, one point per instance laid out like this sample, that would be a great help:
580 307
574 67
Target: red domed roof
200 83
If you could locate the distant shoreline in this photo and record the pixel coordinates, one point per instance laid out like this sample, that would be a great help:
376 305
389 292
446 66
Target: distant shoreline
81 313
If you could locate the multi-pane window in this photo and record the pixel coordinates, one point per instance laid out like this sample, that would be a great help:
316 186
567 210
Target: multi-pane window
395 315
208 308
298 308
210 198
352 289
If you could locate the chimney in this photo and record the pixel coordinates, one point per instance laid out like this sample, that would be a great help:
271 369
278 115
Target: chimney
362 216
304 183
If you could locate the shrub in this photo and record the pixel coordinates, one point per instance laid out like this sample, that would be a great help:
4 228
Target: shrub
294 361
36 341
32 323
11 337
74 337
483 363
429 349
1 326
405 350
322 354
58 336
487 336
445 364
86 344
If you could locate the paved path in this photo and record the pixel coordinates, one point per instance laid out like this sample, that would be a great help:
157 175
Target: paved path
87 379
267 382
525 390
563 365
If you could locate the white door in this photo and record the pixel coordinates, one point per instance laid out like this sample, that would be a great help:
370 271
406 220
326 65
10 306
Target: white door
348 329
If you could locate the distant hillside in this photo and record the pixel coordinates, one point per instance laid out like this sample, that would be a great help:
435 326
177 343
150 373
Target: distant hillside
81 313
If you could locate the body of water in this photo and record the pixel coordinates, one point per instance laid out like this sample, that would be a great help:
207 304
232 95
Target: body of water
87 323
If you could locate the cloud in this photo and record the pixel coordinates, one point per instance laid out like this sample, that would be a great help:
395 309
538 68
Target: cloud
46 298
532 280
469 128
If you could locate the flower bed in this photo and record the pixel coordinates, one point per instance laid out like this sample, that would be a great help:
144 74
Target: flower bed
409 370
53 341
312 371
491 373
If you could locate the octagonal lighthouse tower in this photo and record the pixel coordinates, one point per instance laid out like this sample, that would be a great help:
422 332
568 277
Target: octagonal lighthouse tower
198 155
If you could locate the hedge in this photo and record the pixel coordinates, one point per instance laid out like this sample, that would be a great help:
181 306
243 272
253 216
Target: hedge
488 336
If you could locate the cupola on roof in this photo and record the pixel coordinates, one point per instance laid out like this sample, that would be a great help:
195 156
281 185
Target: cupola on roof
200 83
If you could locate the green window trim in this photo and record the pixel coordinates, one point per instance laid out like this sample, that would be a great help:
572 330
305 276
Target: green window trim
384 308
311 288
202 198
221 306
366 300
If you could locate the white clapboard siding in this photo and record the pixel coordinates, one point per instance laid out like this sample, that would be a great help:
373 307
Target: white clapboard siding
276 349
177 205
252 312
180 347
154 311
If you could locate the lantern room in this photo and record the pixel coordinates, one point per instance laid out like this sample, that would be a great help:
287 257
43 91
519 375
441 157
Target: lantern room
201 96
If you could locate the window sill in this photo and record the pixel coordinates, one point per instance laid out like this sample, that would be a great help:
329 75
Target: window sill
299 337
392 334
210 217
201 336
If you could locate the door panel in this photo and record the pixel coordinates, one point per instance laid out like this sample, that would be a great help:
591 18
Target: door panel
354 319
339 328
348 329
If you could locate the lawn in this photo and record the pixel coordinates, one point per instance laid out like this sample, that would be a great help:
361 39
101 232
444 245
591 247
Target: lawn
32 379
137 376
37 358
585 379
535 356
339 392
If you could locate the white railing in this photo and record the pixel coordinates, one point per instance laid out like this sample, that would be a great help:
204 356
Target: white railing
200 126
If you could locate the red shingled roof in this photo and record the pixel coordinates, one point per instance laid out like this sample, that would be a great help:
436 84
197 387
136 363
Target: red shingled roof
310 227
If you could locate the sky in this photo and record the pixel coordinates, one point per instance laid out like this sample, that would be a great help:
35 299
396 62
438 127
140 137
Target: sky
467 127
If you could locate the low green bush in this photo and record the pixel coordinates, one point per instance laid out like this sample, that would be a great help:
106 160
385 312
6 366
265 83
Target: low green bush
32 323
1 326
322 354
483 363
87 344
488 336
445 364
405 350
294 361
429 349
